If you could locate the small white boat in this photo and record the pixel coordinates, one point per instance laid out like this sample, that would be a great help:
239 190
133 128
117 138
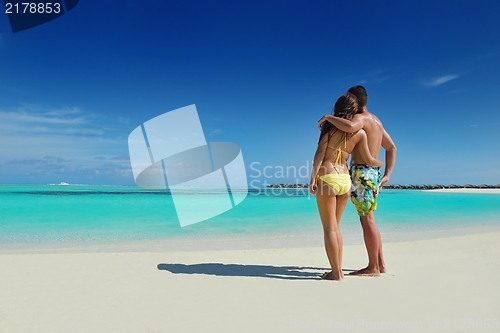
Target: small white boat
63 183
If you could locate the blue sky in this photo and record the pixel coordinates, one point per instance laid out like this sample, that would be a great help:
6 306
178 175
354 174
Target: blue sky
261 74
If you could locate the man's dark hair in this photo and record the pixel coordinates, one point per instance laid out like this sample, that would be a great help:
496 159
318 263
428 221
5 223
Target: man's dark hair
360 93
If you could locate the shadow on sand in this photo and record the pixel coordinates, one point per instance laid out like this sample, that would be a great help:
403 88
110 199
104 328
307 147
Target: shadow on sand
272 272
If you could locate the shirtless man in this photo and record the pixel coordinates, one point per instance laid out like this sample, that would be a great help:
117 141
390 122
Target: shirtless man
367 180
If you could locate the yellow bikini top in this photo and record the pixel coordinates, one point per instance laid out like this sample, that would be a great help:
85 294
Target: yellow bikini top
340 151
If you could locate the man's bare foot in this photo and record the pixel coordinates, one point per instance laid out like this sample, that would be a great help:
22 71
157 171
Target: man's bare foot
329 276
366 272
383 269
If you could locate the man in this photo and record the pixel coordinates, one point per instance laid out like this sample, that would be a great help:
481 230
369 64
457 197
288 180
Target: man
367 180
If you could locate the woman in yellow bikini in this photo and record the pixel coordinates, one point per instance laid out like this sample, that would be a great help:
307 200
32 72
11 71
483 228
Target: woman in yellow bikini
330 180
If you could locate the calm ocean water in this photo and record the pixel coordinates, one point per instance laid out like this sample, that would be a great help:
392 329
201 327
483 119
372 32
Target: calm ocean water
31 214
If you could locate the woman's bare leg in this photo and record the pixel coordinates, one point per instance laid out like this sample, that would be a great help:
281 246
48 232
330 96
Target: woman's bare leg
327 207
341 204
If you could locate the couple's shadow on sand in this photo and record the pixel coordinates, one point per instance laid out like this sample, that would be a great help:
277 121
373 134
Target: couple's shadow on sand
272 272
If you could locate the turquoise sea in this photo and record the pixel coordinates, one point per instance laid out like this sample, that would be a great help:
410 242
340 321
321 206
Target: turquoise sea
52 214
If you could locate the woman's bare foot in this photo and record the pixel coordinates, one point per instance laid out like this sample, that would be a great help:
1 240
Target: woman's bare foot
329 276
366 272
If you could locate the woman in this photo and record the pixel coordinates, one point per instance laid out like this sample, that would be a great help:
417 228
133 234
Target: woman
330 179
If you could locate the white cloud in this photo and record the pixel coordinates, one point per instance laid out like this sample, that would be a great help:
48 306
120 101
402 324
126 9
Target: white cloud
214 131
43 143
31 121
439 80
30 116
373 77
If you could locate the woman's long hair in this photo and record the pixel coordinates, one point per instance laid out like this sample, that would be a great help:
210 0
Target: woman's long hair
345 107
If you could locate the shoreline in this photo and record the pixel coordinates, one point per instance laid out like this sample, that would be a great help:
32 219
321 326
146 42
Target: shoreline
238 242
256 290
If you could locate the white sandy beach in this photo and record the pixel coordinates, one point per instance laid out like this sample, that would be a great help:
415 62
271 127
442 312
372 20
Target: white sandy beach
439 285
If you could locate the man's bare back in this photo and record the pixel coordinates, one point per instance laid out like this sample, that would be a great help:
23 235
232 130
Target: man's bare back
374 131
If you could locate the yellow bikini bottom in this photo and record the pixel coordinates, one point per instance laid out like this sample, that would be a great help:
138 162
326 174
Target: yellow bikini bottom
340 182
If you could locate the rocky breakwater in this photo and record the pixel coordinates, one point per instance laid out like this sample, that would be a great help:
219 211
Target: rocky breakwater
403 187
436 186
288 185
